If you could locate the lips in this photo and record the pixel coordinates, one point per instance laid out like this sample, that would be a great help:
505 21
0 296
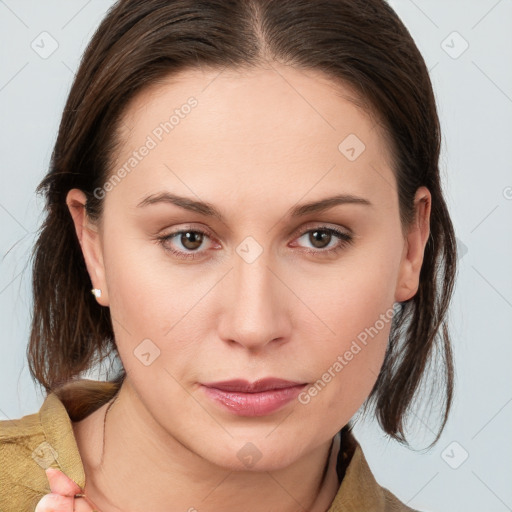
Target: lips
258 398
254 387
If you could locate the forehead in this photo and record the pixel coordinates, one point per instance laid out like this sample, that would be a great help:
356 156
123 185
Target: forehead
254 131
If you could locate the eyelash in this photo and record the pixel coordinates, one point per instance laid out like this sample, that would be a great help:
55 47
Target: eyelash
344 240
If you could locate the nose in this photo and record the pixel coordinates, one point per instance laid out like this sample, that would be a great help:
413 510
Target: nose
255 311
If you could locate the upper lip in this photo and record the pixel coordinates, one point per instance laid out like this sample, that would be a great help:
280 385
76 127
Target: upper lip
257 386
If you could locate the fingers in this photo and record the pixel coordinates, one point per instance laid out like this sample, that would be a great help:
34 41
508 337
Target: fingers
55 503
62 498
61 484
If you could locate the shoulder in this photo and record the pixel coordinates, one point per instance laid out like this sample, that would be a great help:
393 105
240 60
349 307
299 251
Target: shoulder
393 504
45 439
359 490
31 444
24 453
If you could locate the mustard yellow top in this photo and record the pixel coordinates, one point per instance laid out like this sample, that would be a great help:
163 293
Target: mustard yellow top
45 439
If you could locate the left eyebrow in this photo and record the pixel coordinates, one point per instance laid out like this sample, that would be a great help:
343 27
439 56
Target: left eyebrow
326 204
209 210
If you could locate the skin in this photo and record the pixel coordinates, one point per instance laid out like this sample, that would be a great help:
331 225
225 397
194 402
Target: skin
61 498
258 143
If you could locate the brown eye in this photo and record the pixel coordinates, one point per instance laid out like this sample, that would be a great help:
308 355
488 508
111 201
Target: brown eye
186 243
191 240
320 238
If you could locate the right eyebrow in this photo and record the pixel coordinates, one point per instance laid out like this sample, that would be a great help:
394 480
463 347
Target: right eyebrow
187 203
326 204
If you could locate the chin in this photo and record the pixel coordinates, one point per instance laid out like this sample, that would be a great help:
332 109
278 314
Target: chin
260 454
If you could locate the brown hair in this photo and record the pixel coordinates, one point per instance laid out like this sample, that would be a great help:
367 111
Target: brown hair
359 43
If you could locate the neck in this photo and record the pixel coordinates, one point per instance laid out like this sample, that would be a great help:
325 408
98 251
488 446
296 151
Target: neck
139 466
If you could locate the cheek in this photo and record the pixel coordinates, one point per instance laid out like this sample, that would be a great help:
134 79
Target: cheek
146 289
357 307
348 365
147 297
160 312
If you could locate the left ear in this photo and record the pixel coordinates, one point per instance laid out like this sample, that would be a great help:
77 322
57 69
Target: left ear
414 247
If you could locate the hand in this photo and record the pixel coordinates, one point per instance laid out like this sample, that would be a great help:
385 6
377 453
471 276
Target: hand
62 498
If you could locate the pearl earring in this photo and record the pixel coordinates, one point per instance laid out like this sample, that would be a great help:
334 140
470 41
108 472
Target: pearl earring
96 292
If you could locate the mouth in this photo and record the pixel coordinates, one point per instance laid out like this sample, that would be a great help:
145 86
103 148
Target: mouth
258 398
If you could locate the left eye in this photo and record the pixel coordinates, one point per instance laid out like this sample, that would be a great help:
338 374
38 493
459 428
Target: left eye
321 237
192 240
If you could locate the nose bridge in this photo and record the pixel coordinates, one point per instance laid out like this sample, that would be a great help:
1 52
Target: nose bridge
254 315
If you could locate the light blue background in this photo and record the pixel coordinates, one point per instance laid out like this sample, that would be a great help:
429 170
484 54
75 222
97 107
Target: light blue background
474 93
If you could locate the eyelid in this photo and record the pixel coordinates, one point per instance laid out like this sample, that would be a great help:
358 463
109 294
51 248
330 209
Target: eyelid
191 227
345 236
321 225
295 233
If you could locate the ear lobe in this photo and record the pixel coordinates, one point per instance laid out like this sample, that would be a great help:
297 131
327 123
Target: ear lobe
414 247
90 242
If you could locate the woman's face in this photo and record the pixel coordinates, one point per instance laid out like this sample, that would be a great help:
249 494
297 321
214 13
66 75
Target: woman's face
240 278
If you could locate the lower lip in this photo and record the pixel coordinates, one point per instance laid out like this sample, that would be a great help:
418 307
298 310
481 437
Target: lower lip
254 404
